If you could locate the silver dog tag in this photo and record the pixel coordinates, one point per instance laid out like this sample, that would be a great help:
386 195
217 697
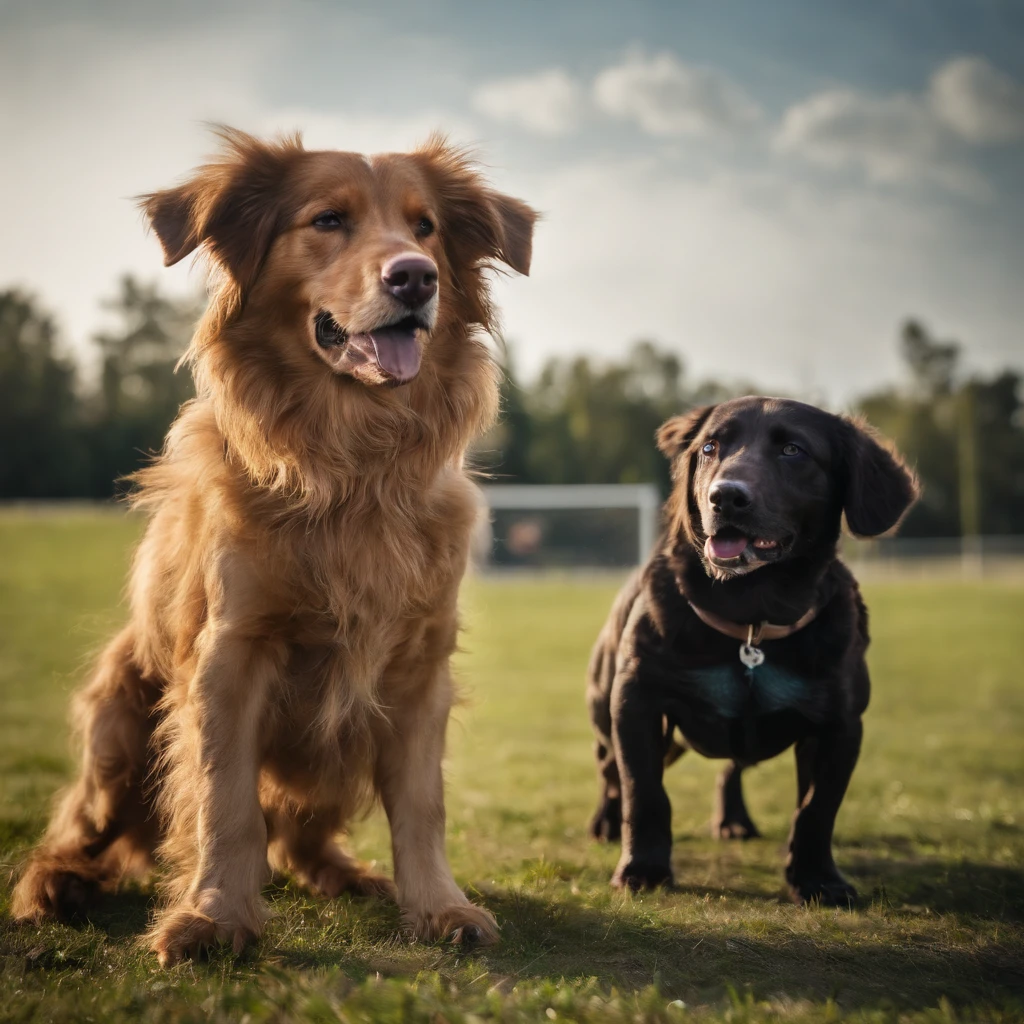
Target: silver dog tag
751 656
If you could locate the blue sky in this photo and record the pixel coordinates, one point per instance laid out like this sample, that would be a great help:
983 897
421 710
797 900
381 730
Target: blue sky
768 189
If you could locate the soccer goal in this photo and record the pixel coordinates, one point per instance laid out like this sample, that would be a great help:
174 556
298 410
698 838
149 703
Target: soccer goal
569 526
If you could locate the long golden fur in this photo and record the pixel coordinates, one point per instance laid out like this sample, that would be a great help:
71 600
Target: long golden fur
293 601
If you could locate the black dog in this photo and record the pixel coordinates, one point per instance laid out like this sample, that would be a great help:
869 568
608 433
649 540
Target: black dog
744 633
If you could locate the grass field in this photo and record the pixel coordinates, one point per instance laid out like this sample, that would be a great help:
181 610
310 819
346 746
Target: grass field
932 833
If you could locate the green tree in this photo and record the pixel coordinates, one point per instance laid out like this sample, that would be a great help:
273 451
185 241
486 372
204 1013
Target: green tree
588 422
964 435
139 392
42 454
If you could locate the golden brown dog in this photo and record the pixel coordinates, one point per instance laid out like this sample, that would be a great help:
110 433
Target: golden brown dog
293 601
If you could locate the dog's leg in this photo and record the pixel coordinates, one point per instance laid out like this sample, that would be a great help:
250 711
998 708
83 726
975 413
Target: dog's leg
303 844
606 824
412 788
730 818
824 767
639 736
103 826
216 833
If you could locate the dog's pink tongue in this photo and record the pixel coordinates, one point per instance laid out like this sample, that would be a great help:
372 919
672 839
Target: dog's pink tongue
726 547
397 351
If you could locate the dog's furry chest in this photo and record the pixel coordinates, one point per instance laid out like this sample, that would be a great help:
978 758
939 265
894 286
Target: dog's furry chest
370 605
725 709
735 691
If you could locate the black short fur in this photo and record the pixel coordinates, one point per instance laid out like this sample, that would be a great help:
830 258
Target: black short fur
662 681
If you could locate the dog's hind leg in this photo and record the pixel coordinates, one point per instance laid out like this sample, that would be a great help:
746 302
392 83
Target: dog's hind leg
304 844
730 818
103 826
606 823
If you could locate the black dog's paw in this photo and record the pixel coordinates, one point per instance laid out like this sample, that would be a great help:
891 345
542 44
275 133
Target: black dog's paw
606 824
736 828
637 876
831 890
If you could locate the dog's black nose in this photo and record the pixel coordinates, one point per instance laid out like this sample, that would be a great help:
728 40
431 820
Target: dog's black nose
729 495
411 278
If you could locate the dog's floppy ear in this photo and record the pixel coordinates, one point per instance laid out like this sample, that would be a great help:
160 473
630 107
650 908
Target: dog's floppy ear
513 239
878 487
676 435
232 205
486 226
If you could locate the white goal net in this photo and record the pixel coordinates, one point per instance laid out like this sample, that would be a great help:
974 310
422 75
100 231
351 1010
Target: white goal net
568 526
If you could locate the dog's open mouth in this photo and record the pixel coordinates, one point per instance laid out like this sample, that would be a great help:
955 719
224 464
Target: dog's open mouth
731 548
389 354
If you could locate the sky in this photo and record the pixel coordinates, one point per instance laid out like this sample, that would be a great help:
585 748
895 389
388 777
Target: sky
767 190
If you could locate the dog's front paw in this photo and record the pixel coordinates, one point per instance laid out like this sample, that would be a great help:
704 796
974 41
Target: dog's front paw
184 932
465 924
639 875
828 889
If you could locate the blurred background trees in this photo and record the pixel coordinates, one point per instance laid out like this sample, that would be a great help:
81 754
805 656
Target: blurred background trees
71 431
42 453
138 393
964 433
584 422
66 432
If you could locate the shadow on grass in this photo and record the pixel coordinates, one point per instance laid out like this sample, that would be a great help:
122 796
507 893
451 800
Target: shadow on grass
624 945
986 892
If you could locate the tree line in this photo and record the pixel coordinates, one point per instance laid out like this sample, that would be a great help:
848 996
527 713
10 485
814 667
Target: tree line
73 432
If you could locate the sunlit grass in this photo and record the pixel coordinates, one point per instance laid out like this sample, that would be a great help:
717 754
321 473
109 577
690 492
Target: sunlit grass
932 833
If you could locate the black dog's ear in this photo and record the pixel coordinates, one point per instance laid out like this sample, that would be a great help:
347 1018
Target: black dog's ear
490 226
677 434
675 438
879 488
232 205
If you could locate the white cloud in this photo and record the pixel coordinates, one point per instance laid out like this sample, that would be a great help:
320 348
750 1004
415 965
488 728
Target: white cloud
905 137
667 97
547 103
782 282
758 277
890 138
977 101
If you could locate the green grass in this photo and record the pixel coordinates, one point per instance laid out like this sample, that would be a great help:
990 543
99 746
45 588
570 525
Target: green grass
932 833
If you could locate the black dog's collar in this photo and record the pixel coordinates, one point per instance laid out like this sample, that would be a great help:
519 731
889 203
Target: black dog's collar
753 633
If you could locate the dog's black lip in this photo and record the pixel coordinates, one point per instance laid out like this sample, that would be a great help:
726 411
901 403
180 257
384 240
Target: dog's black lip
329 333
409 323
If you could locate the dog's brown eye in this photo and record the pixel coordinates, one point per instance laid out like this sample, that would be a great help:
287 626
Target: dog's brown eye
328 220
424 227
709 448
792 449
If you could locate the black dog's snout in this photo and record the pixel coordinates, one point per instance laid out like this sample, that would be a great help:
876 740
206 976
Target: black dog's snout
730 496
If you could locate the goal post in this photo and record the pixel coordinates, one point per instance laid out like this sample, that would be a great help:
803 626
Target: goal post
641 503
